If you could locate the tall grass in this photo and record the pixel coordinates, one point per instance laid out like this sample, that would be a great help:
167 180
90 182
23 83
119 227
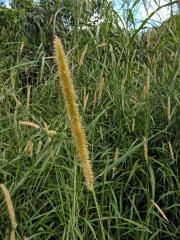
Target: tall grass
128 91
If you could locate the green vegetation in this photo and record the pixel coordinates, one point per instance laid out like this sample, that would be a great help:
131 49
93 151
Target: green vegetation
128 87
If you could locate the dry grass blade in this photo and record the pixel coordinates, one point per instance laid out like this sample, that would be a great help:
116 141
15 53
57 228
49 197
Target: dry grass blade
28 97
169 109
133 124
171 151
18 103
160 210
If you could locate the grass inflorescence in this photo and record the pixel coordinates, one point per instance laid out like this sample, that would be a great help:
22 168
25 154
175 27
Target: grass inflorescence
73 111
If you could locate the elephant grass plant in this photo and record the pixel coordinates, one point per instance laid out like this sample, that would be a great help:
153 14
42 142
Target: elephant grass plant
128 88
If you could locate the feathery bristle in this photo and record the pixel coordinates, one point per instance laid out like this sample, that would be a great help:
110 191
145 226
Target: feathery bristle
73 111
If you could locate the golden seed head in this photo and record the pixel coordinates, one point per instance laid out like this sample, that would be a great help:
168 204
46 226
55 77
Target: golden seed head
69 94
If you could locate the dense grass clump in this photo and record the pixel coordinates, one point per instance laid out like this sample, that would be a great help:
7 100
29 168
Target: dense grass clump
128 88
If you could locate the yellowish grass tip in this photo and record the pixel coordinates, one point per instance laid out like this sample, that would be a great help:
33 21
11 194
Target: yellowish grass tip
29 148
30 124
10 208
